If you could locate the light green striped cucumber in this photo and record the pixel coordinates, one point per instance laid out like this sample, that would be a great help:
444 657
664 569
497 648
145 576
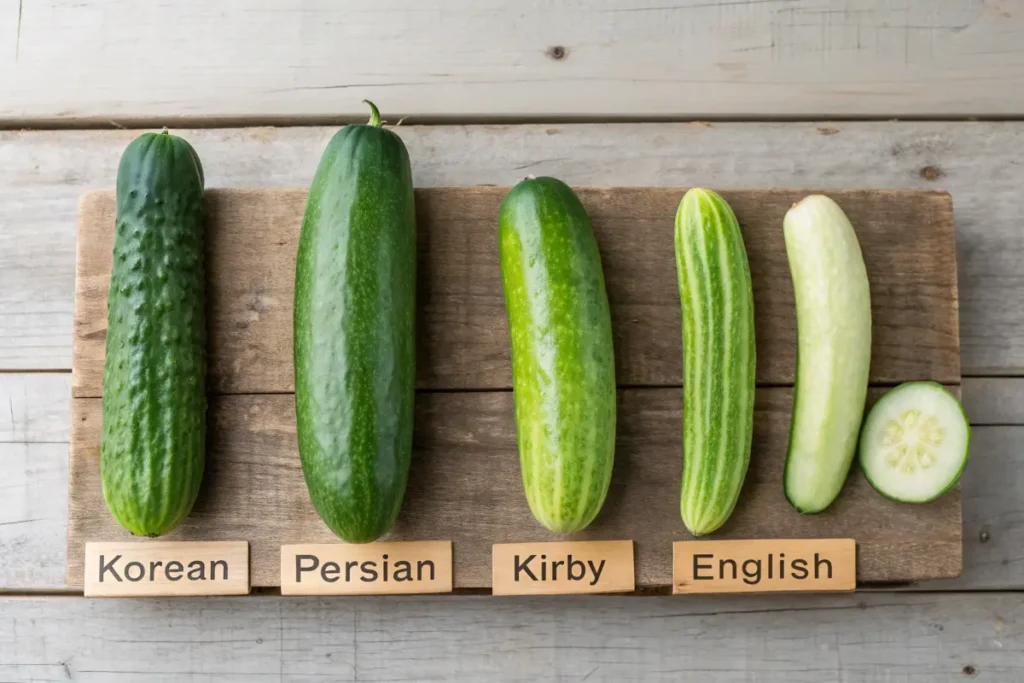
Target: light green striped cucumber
718 359
833 320
563 369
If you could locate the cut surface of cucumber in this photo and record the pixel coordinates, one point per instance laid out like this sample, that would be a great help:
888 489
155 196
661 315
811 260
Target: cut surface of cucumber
914 442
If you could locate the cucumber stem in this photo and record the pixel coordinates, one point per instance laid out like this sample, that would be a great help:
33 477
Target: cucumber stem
374 114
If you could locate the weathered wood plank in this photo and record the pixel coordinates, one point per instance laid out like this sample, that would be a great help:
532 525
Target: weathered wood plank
34 421
77 61
994 400
32 535
34 407
864 638
43 173
462 335
33 515
465 487
10 15
993 531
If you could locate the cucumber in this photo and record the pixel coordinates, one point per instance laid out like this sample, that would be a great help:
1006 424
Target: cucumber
719 359
563 367
354 327
914 442
833 314
152 448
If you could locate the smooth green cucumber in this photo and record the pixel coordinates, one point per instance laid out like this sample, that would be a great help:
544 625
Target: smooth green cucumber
154 381
563 367
355 340
833 315
718 359
914 442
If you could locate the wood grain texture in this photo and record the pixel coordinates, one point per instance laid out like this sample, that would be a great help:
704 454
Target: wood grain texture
34 408
462 335
42 175
33 479
10 11
993 525
33 515
863 638
994 400
68 61
465 486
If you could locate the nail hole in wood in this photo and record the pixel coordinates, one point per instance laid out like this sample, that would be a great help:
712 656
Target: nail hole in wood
557 52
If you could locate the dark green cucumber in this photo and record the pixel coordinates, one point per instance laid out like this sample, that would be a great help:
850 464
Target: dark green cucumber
719 358
563 367
355 358
154 380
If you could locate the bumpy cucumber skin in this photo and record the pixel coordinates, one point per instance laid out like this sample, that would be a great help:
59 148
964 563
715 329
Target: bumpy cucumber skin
833 305
967 449
563 367
717 300
355 360
154 382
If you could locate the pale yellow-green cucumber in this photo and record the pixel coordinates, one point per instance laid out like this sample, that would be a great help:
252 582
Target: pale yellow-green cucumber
833 316
718 358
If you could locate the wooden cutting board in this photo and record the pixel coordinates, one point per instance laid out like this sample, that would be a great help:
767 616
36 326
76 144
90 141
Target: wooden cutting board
465 485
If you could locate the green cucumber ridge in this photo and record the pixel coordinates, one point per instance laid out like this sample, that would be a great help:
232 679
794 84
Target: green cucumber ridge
153 440
563 365
719 359
355 355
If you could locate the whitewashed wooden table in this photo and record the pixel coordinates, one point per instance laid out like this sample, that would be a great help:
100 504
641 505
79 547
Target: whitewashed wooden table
513 88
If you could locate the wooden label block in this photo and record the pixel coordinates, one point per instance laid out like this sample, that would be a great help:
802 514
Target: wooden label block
371 569
562 567
166 568
755 566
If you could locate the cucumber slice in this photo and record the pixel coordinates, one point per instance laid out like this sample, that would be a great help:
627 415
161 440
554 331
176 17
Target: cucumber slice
914 443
